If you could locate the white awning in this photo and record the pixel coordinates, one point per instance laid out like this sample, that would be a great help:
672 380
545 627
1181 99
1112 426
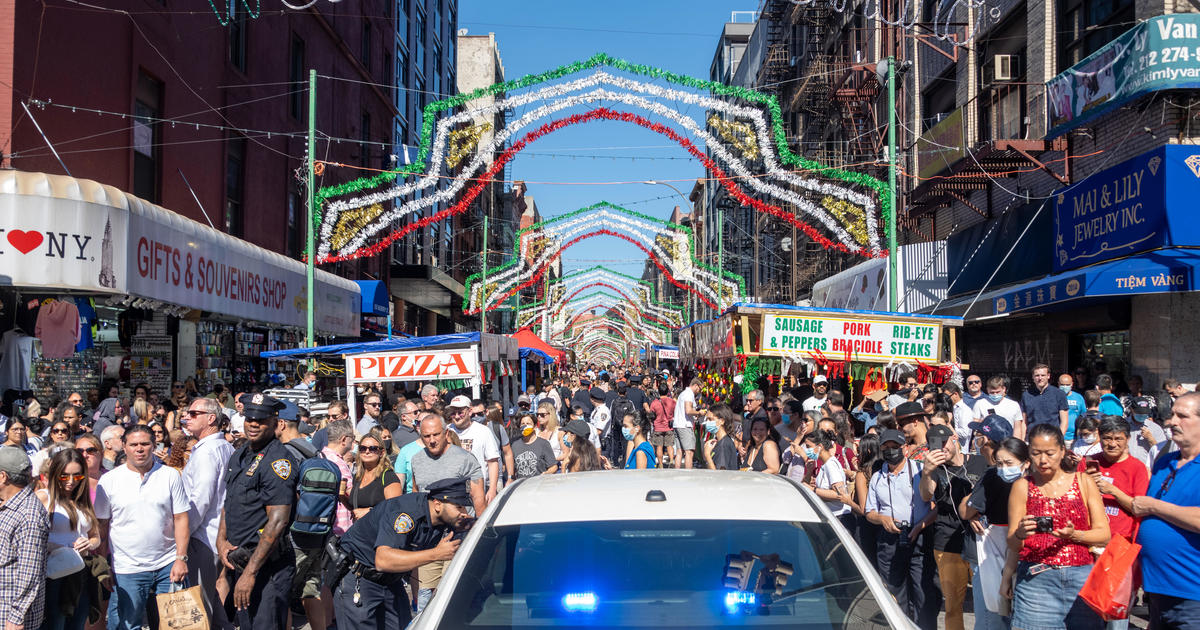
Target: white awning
79 235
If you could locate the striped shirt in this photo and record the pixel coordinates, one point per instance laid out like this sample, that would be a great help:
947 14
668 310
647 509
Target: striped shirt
24 529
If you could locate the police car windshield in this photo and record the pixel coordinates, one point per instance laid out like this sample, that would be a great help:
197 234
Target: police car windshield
662 574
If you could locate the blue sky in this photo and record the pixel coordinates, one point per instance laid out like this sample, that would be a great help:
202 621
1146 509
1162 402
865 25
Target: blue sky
538 35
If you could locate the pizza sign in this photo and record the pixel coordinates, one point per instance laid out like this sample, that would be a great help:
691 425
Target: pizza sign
415 365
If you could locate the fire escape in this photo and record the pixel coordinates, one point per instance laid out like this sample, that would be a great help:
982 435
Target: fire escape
774 267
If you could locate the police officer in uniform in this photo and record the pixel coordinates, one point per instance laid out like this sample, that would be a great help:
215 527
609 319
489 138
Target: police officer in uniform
260 482
394 538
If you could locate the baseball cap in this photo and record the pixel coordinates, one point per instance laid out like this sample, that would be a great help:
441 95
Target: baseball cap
523 398
994 427
818 379
940 431
891 435
578 427
290 411
15 462
460 401
1142 409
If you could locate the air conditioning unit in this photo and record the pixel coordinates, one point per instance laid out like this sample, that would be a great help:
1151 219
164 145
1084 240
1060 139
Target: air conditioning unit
1006 67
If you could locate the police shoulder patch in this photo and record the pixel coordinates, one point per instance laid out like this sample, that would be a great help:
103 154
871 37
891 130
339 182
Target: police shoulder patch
282 468
403 524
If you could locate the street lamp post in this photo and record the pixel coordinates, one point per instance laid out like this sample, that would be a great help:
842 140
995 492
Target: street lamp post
692 209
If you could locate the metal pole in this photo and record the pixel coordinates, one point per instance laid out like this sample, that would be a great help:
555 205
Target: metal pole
893 288
483 284
720 258
310 270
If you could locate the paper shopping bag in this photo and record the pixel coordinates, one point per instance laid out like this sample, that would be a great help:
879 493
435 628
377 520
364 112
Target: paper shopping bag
182 610
1110 585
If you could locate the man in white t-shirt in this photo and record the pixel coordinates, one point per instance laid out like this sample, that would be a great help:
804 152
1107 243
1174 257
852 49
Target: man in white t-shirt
820 393
145 507
995 402
476 438
686 411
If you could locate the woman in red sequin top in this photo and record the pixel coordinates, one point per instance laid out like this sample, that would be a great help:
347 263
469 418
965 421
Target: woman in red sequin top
1051 563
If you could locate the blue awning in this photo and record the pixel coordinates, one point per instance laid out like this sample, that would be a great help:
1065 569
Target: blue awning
1161 271
383 345
374 297
536 355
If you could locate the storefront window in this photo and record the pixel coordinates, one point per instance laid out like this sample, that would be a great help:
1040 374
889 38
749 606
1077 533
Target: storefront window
1101 353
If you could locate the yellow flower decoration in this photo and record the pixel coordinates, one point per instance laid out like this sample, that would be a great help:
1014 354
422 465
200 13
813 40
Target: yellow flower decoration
463 142
351 222
739 134
853 217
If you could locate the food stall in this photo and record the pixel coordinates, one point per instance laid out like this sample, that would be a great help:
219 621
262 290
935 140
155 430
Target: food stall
455 361
782 344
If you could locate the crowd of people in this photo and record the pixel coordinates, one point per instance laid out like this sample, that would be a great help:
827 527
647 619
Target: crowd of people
952 491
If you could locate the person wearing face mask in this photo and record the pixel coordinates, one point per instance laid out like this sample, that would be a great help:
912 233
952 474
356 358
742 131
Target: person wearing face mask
986 510
904 554
532 454
995 402
830 481
720 453
1087 436
634 428
791 417
1075 404
948 477
582 454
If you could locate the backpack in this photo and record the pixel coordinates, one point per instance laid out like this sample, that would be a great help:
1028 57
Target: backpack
612 442
316 502
621 407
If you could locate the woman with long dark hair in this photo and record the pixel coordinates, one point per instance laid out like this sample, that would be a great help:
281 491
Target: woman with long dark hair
16 433
986 509
582 455
866 532
762 451
720 453
1055 516
830 481
74 530
636 428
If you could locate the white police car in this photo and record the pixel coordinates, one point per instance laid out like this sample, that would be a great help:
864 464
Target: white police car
659 549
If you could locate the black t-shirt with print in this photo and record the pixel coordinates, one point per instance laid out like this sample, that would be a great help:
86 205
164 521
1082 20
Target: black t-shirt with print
953 484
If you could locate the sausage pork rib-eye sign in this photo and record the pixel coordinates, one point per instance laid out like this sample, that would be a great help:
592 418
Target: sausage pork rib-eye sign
866 339
414 365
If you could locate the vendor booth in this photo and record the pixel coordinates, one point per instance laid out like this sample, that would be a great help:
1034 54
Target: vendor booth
533 348
783 344
455 361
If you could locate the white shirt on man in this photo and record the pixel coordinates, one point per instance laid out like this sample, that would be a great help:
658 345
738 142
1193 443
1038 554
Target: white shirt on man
812 403
1007 408
682 421
204 483
830 475
141 511
478 440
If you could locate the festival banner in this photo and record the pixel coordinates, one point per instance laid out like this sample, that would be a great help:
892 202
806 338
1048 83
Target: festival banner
1162 53
875 339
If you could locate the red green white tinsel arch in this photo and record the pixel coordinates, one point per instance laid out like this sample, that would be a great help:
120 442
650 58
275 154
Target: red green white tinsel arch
553 312
743 131
670 246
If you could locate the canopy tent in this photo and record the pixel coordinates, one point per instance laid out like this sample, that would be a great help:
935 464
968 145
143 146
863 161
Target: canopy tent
472 358
526 339
382 345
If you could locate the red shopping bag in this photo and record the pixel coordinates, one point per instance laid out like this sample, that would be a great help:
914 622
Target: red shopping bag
1111 584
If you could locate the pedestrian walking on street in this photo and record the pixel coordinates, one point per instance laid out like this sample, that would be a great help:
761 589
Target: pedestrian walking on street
1055 516
204 483
24 534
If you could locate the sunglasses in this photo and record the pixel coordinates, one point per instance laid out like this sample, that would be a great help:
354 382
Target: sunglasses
542 415
91 450
370 449
192 413
372 405
772 408
177 387
974 382
66 478
58 430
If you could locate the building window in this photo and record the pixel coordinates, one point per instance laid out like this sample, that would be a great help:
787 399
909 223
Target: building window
296 76
147 139
402 25
235 185
421 100
296 213
364 50
1087 25
364 136
237 37
419 39
402 85
437 70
